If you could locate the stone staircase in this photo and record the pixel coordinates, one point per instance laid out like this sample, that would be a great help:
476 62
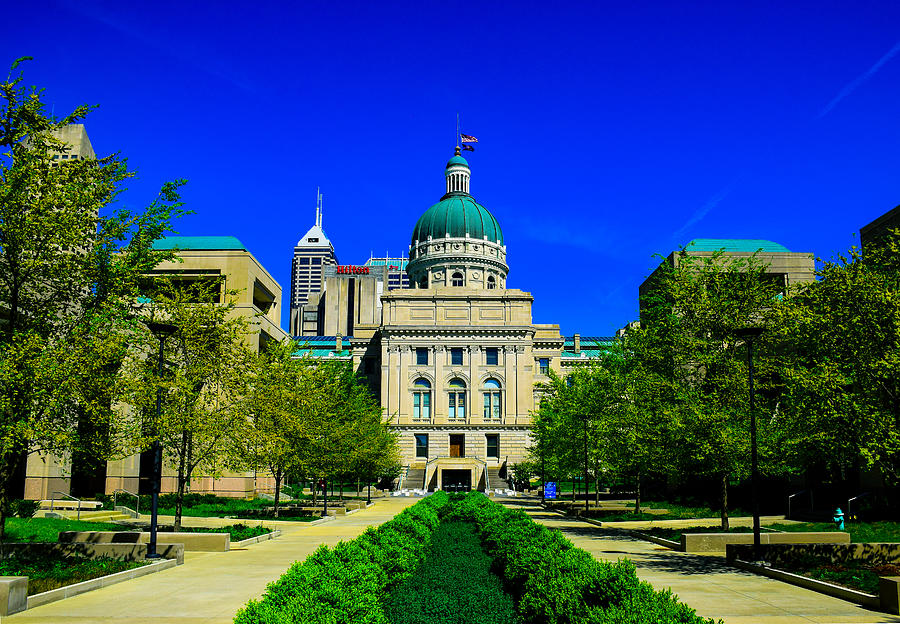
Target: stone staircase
495 481
415 479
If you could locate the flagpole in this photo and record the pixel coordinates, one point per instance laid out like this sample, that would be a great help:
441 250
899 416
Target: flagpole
458 142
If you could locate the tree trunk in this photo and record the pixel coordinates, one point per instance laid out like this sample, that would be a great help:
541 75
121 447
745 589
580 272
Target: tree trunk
278 476
182 479
637 494
315 492
573 490
597 485
725 502
357 487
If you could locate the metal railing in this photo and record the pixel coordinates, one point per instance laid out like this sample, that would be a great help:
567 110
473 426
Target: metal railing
850 515
68 496
791 496
137 504
403 475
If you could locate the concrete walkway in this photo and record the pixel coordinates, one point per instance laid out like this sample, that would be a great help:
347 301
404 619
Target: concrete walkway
209 587
705 582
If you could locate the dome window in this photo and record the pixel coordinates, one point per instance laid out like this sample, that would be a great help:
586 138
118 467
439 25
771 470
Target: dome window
457 279
491 282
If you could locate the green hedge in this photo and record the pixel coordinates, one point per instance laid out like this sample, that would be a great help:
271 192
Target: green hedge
452 585
347 583
553 582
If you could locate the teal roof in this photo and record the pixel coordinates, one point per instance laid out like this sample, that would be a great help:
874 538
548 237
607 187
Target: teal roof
206 243
457 160
456 215
397 262
747 245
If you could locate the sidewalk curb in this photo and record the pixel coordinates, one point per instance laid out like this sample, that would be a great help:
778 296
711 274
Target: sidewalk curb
68 591
255 540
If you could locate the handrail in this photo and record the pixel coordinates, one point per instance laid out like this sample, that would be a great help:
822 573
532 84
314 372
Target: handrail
790 496
137 506
849 500
403 475
53 500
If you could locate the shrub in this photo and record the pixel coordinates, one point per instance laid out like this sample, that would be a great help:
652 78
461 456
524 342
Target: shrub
24 508
556 583
348 582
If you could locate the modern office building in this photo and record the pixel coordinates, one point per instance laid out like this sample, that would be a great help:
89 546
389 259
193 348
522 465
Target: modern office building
312 255
788 267
397 277
871 233
76 139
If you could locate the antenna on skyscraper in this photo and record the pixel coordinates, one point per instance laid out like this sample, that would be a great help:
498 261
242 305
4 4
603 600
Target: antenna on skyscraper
318 207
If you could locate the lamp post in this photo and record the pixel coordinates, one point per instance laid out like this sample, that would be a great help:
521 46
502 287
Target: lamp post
749 334
584 417
161 331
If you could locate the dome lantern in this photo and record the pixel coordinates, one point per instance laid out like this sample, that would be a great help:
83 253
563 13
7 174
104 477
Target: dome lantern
458 174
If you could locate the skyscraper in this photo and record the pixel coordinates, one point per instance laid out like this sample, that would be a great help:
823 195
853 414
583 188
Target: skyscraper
312 254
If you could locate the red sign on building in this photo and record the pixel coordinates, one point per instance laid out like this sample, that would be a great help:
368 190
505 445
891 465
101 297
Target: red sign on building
352 270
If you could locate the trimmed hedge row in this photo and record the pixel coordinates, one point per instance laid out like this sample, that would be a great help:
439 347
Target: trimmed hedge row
347 583
452 585
552 582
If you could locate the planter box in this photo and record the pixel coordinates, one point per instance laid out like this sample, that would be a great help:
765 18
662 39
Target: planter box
717 542
778 554
193 542
125 552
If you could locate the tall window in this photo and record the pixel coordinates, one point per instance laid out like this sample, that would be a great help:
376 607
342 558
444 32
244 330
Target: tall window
544 365
456 356
492 400
492 283
456 280
493 445
457 399
422 445
422 356
422 399
490 356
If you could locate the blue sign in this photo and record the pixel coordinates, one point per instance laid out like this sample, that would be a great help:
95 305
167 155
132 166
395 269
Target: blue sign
550 489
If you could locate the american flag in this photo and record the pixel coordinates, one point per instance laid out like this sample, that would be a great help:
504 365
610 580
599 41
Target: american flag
465 138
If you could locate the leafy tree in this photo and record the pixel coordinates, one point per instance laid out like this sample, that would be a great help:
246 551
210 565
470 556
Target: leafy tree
693 318
69 266
205 383
841 387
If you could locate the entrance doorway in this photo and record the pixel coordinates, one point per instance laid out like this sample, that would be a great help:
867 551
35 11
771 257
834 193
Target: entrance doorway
457 445
456 480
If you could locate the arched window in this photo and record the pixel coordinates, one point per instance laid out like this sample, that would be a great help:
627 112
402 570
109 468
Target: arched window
492 283
457 399
421 399
492 400
457 279
423 283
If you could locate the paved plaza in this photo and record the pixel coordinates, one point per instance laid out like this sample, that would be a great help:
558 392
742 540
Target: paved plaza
211 587
705 582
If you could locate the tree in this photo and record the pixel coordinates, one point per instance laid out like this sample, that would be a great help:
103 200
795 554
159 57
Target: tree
204 386
692 318
67 273
841 357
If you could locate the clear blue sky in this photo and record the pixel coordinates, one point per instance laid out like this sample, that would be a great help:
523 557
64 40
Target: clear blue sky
609 132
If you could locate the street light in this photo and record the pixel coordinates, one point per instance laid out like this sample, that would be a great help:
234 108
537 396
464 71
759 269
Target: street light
584 417
161 331
749 334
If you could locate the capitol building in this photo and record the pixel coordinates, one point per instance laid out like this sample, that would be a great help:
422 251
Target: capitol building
456 355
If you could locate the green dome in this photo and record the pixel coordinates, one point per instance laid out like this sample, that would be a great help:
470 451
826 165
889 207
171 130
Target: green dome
457 160
457 215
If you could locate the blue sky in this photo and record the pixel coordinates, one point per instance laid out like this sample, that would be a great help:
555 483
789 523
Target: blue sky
608 132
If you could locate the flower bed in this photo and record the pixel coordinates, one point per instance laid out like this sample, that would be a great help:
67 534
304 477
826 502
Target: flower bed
549 580
46 572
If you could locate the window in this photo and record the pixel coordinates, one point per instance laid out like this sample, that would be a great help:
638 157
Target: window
312 239
493 445
456 356
492 399
456 280
544 366
421 445
422 356
491 283
303 260
457 399
490 356
422 399
317 260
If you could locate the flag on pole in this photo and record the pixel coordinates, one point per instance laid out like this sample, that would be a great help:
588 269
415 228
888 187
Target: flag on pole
468 148
465 138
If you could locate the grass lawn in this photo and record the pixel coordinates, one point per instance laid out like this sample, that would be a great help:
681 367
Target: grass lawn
46 572
675 512
47 529
859 531
237 531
